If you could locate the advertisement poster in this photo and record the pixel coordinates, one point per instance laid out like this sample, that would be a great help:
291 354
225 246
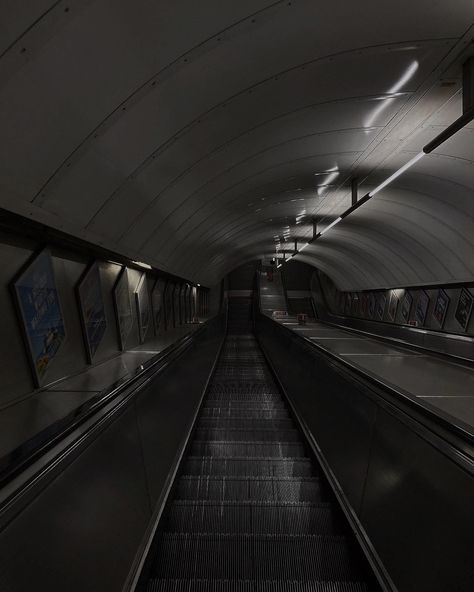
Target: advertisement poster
347 308
371 305
464 308
441 307
38 303
422 307
123 307
381 301
406 306
392 306
157 304
355 304
142 300
91 306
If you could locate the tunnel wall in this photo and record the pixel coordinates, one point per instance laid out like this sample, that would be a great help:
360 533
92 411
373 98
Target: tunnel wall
16 378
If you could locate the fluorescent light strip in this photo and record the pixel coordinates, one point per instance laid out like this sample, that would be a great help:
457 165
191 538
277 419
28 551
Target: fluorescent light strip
336 221
144 265
396 174
303 247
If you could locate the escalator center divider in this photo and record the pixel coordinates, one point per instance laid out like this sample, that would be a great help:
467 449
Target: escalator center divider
251 509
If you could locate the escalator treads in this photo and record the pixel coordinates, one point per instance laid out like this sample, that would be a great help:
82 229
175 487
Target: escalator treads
251 518
267 557
263 467
157 585
251 511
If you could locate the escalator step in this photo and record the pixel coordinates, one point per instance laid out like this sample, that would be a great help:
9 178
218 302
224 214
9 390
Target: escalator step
249 424
157 585
261 557
235 467
251 518
250 405
242 396
244 412
238 488
236 435
244 387
249 449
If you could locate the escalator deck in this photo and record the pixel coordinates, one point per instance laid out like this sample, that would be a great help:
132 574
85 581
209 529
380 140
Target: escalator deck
251 508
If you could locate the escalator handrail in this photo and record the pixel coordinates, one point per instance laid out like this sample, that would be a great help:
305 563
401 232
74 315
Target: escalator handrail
458 441
32 450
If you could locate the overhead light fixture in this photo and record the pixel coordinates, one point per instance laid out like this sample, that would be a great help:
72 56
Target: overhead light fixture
333 223
392 93
279 265
303 247
141 264
396 174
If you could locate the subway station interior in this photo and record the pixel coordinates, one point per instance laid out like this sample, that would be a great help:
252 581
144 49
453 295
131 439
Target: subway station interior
236 296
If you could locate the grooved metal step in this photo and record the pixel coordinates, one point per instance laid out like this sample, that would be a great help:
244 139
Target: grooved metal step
244 412
252 488
241 396
157 585
245 467
231 423
251 518
249 449
262 557
257 388
236 435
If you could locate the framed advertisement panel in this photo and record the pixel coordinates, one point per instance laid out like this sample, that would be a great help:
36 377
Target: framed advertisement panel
37 300
380 307
157 305
392 306
142 300
464 308
441 307
421 307
91 309
123 307
405 310
371 305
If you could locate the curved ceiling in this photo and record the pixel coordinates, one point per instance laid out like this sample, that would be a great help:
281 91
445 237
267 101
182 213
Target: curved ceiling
197 135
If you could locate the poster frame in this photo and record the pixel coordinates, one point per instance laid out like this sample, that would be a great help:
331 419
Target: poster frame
470 307
371 307
94 267
382 297
142 302
122 278
442 294
392 311
39 380
421 318
407 297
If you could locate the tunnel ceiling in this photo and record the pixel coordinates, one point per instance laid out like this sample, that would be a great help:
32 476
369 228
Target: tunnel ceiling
197 135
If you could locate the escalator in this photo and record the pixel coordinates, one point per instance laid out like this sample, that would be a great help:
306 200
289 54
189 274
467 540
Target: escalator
251 508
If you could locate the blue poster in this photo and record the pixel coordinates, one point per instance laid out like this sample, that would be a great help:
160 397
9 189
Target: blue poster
39 306
92 309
